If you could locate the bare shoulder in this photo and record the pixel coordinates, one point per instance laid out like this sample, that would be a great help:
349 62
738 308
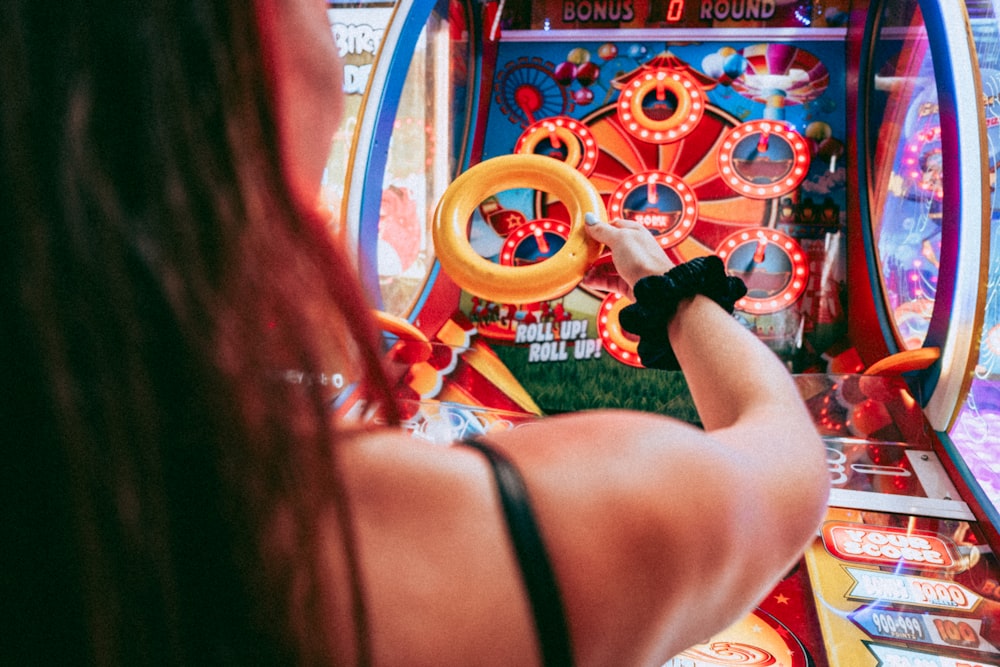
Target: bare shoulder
440 578
644 514
674 530
645 519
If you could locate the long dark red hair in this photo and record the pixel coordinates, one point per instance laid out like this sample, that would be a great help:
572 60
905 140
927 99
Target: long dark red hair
156 283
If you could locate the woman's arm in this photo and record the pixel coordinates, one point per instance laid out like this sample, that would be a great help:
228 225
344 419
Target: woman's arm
660 533
711 519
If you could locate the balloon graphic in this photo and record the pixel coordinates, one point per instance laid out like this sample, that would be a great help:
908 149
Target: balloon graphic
779 75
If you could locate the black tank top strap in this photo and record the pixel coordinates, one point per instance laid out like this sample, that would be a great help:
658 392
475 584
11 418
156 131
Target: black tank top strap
532 557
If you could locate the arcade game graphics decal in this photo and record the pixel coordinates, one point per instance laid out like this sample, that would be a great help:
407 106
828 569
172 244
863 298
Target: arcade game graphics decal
740 157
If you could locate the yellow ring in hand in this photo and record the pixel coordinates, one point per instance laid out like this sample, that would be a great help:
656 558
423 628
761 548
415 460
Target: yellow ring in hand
545 280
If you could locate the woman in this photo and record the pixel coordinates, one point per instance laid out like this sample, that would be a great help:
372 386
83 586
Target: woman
170 498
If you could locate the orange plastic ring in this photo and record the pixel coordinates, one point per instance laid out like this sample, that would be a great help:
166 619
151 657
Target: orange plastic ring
417 346
545 280
905 361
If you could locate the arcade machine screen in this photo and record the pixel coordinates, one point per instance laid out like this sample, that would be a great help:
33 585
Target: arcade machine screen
721 127
910 227
976 430
907 184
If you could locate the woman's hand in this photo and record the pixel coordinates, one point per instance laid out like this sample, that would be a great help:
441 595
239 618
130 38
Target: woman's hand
634 251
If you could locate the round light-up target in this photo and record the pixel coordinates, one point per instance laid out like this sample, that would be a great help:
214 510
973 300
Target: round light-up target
662 202
677 106
771 263
763 159
561 137
620 344
534 242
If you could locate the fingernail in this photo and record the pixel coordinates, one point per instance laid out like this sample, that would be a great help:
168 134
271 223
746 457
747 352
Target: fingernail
591 218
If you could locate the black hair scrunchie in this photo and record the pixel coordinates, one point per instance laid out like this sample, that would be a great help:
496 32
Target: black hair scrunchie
657 298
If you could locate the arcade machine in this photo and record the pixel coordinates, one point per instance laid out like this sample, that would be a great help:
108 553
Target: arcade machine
407 73
924 293
837 156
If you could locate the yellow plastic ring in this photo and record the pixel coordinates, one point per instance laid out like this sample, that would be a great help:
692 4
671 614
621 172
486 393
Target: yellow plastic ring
543 281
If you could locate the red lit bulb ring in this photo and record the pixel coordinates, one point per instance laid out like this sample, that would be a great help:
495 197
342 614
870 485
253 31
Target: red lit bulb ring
613 337
508 253
688 214
689 111
787 182
794 286
581 146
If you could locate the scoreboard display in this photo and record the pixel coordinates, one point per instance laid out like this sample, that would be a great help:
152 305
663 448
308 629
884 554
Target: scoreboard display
603 14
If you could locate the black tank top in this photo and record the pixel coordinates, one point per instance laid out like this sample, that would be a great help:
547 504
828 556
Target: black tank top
536 571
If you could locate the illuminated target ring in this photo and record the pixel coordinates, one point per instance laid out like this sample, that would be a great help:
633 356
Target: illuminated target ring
516 284
580 144
757 640
533 242
763 159
616 341
636 118
771 263
662 202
